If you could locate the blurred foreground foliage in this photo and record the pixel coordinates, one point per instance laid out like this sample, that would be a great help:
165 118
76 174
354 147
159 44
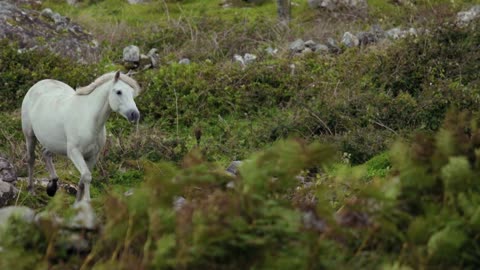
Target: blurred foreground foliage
423 214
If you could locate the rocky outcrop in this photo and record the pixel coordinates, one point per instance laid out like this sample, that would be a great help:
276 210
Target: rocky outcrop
49 30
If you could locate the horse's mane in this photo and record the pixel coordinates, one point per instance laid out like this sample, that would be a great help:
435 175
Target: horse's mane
85 90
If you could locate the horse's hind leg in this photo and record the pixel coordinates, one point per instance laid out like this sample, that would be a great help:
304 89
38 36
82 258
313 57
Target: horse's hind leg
31 141
47 157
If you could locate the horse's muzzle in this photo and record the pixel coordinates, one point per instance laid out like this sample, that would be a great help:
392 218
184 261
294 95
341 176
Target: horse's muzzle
133 116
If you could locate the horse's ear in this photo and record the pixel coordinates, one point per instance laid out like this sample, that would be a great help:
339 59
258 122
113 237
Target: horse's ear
117 76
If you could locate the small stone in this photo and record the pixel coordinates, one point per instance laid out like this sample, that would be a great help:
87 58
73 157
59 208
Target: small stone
7 171
320 48
395 33
154 58
7 193
232 169
47 13
350 40
332 45
307 51
310 44
271 51
297 46
131 54
239 58
179 202
249 58
366 38
184 61
377 31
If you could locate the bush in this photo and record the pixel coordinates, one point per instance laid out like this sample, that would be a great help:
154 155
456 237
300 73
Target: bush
21 70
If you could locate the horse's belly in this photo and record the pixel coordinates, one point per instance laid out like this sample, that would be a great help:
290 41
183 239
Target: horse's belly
53 141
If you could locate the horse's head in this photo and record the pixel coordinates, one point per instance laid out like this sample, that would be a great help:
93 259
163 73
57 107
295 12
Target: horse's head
121 99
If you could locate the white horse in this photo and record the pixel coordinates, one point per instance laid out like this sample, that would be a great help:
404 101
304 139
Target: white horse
72 123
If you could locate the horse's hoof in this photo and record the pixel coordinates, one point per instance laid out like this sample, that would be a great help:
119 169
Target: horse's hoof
52 187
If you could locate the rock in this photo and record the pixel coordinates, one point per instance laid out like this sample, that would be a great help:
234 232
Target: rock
350 40
134 2
307 51
366 38
320 48
249 58
245 60
22 212
332 46
33 30
154 58
84 218
184 61
128 193
338 4
395 33
7 171
7 193
312 222
232 169
310 44
413 32
72 2
179 202
239 59
131 54
465 17
378 32
297 46
271 51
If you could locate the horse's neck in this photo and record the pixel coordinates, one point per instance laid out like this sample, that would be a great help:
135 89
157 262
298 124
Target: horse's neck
97 103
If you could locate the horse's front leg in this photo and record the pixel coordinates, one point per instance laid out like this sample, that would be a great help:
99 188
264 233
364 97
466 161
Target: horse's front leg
91 161
85 175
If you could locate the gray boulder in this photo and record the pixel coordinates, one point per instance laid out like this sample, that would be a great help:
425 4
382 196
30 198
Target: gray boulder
7 171
297 46
7 193
131 54
350 40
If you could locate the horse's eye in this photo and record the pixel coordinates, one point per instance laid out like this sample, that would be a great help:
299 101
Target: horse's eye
119 92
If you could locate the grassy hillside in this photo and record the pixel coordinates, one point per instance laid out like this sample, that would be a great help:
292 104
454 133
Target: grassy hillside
378 195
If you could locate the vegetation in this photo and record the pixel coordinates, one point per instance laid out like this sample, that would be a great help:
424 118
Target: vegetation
388 177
